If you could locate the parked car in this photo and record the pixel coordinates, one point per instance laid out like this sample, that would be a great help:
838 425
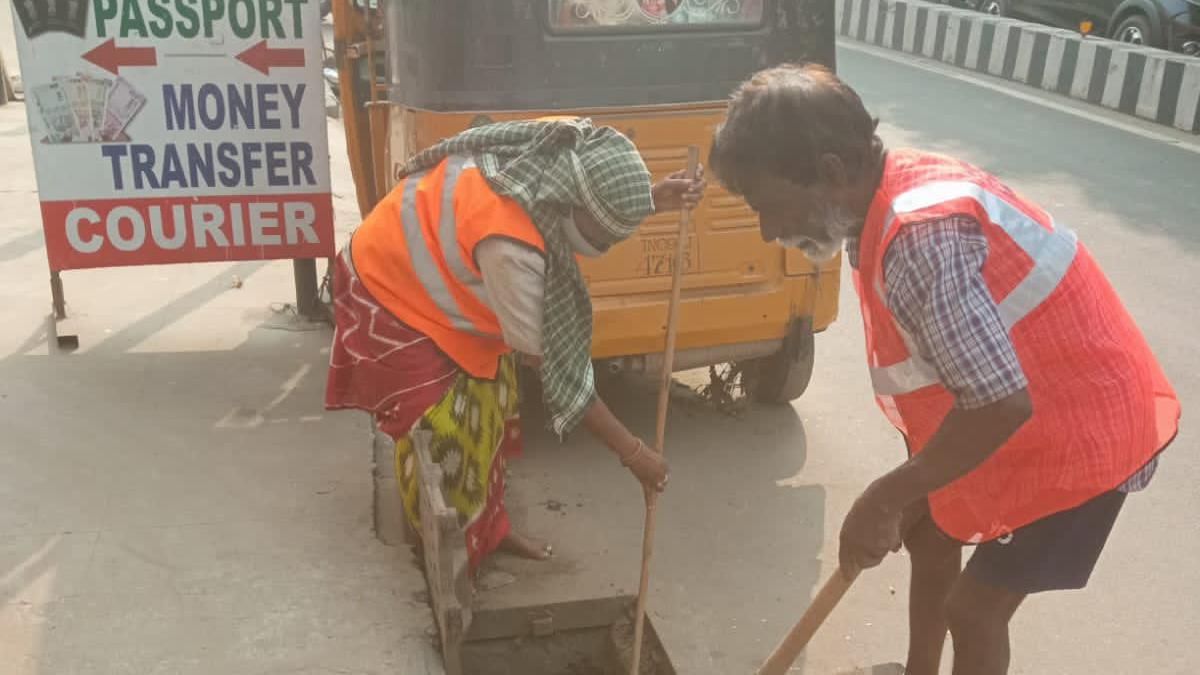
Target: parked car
1168 24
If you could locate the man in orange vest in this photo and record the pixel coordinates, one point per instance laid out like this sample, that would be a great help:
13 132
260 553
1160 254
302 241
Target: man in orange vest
1027 397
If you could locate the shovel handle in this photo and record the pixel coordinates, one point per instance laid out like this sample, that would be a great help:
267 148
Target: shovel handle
798 638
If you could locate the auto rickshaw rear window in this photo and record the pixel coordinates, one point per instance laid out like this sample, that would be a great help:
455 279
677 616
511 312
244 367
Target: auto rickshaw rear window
653 15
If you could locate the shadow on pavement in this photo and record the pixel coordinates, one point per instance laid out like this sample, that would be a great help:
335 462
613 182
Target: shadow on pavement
22 245
179 307
191 512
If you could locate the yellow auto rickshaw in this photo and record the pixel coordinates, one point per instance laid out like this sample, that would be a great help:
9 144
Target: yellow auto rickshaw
412 72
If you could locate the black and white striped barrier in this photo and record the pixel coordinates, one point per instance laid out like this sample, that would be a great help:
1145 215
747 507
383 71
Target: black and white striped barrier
1150 83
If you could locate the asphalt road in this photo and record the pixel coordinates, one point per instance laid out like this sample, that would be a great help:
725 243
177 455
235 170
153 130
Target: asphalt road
748 528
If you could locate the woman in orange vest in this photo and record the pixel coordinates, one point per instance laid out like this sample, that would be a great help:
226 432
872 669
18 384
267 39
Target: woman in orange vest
473 256
1028 398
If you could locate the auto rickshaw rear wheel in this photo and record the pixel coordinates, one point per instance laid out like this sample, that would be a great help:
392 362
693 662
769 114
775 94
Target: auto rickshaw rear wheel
783 376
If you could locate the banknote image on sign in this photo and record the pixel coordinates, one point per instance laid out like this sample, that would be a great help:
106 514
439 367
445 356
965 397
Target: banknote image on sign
86 109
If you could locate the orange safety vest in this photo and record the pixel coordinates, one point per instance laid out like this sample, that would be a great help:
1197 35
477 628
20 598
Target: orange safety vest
1102 406
415 254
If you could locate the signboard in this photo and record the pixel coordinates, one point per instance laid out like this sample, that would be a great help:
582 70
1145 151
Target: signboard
172 131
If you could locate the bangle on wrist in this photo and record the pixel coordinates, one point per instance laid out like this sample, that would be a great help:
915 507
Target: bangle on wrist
633 456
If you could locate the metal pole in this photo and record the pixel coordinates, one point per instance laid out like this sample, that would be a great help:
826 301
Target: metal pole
6 92
56 296
308 304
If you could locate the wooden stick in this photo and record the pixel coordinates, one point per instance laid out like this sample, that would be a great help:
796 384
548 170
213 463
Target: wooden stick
664 401
797 639
664 391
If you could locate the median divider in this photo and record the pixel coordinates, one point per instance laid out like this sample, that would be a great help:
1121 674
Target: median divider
1149 83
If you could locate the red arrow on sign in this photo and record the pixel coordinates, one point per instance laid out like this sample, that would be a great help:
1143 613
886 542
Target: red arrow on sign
112 58
262 58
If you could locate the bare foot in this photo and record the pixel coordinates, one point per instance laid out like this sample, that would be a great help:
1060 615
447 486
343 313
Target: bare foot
520 545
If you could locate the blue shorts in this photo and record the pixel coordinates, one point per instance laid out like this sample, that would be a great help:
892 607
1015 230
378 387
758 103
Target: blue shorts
1055 553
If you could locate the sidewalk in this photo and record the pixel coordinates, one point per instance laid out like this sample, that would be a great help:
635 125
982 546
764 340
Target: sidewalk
173 498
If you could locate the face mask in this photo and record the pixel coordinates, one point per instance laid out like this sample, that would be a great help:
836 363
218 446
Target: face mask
579 243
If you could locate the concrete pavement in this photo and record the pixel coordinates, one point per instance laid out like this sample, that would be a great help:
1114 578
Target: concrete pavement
173 498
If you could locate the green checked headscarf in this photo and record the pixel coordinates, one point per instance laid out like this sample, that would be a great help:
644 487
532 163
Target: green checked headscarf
550 168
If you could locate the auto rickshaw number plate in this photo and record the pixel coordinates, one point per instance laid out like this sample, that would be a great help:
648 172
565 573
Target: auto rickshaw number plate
657 255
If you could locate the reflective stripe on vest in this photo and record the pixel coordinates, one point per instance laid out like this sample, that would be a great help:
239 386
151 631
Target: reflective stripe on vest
422 258
448 232
1052 252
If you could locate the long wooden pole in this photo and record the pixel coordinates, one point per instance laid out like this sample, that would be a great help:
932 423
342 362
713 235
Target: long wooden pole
797 639
664 401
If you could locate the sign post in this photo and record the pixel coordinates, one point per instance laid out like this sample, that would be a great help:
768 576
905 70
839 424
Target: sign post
177 131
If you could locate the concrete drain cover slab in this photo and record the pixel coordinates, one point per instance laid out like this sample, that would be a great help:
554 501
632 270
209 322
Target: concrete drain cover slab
587 637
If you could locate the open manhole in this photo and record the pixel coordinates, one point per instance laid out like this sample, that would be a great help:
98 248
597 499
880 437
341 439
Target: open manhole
589 637
584 637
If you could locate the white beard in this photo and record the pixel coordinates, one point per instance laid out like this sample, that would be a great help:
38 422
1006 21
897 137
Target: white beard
816 252
838 224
